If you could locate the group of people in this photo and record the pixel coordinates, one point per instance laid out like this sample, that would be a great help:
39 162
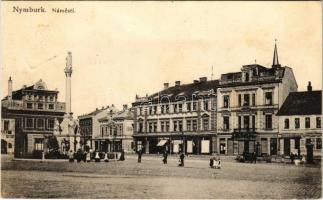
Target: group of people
88 156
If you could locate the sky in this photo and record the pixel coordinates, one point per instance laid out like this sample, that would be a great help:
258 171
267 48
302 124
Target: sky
121 49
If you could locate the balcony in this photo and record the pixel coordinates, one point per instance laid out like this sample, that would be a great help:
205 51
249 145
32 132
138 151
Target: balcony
244 130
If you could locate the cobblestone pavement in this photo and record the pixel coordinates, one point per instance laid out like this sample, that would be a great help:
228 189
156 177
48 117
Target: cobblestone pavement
152 179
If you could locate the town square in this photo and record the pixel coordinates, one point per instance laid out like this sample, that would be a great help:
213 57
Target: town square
206 102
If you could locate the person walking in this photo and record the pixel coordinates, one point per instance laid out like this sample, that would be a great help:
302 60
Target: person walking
122 155
165 156
139 155
254 156
181 157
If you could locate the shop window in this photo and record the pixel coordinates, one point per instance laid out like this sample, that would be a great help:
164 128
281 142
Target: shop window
226 123
268 121
307 122
268 98
297 124
246 99
286 124
318 143
226 101
39 145
318 122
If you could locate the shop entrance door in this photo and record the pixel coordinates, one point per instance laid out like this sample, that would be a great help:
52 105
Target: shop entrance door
222 148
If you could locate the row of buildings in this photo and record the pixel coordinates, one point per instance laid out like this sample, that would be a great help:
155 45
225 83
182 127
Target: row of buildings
255 109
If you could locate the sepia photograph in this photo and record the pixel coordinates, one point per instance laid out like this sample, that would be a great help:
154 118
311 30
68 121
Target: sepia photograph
161 99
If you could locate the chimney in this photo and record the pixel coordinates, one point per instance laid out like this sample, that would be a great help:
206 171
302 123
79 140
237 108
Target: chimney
10 89
195 81
166 85
125 106
309 87
177 83
203 79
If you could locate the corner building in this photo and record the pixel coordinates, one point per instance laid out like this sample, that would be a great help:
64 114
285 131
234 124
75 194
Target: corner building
176 118
248 102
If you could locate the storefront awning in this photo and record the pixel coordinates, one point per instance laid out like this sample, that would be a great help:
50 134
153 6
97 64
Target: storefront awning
161 143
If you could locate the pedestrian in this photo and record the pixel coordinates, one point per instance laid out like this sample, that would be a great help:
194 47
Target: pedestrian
139 155
211 162
292 157
122 155
165 156
71 156
254 157
88 156
106 159
181 157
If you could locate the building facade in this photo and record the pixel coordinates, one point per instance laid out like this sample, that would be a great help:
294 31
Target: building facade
90 126
181 117
300 123
34 110
116 130
248 102
7 136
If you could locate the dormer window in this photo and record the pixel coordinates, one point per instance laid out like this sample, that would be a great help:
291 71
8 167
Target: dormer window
247 77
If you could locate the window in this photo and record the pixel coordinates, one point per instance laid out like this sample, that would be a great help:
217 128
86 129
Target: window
194 106
40 106
162 107
175 108
51 106
253 122
180 125
246 100
297 123
286 122
307 122
140 111
51 123
318 143
180 107
29 105
226 123
150 127
51 98
189 125
239 122
140 127
102 131
247 77
226 101
253 99
162 126
40 123
167 108
206 105
175 126
188 106
9 145
268 121
206 124
239 100
39 145
6 125
268 98
29 123
246 122
155 127
194 124
150 110
167 126
155 109
318 122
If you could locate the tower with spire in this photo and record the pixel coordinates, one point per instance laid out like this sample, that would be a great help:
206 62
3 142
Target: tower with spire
275 58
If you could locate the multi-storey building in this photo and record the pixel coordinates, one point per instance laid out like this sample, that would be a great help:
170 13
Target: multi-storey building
116 130
248 102
300 123
90 126
34 109
7 136
176 118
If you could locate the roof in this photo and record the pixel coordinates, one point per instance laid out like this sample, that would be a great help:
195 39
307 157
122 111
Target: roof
302 103
187 91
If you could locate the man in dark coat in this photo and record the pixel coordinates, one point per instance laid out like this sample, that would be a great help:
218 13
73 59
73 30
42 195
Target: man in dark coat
122 155
139 155
165 157
181 157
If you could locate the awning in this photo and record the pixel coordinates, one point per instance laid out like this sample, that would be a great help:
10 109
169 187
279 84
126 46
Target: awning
161 143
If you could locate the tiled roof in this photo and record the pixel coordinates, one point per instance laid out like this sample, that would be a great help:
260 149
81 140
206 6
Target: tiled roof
302 103
187 91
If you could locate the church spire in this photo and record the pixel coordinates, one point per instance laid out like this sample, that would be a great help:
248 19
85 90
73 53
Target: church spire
275 59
